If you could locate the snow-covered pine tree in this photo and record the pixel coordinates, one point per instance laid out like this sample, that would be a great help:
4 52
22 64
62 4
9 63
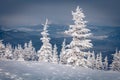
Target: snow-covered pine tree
115 66
45 52
55 58
93 60
19 53
99 64
62 53
2 50
25 52
80 39
15 53
8 52
32 51
29 51
89 60
105 64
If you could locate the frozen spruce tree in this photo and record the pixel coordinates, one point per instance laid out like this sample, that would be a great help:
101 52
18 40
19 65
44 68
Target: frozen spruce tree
29 51
18 53
99 64
80 39
15 53
90 60
45 52
105 64
62 53
2 50
93 60
115 66
55 58
8 52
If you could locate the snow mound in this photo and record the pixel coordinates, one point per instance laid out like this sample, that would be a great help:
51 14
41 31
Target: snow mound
18 70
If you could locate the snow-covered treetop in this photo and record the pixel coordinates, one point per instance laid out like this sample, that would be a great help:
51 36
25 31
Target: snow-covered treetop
1 44
30 44
79 32
45 25
44 33
55 50
25 45
78 17
63 46
78 14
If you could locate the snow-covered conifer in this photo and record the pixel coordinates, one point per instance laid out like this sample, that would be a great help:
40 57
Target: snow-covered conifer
116 61
25 52
8 52
105 64
99 64
62 53
45 52
29 51
93 60
89 60
2 50
55 58
15 53
80 41
18 53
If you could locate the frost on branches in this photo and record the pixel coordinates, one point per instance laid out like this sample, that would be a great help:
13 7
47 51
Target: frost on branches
8 52
55 58
45 52
99 64
62 53
91 60
80 42
115 66
18 53
29 52
2 50
105 63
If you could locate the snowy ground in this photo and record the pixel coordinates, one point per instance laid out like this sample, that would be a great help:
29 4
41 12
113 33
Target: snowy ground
13 70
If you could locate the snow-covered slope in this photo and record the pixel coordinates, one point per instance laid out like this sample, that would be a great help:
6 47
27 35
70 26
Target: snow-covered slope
15 70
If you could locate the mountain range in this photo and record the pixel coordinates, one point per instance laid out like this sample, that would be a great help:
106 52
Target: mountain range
105 39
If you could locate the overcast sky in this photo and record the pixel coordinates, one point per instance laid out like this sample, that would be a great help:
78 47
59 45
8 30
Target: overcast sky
34 12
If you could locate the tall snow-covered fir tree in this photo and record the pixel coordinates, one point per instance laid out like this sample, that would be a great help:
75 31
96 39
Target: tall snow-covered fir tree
55 58
45 52
62 53
80 39
115 66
